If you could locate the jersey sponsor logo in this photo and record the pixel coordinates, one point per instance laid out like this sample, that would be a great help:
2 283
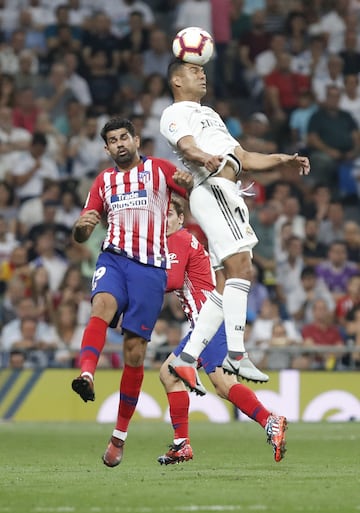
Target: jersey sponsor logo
133 199
173 258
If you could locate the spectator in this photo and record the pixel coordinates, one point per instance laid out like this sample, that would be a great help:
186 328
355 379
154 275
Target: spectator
47 256
11 293
352 335
258 135
101 38
314 250
71 121
8 208
7 240
53 31
191 10
55 93
17 359
350 300
119 13
299 120
137 40
318 202
333 77
240 20
73 289
40 293
26 111
267 60
102 82
336 270
257 295
262 220
291 213
13 141
55 141
68 210
78 85
274 16
333 137
288 272
32 168
67 335
158 56
7 90
300 302
350 97
282 89
12 331
85 150
16 265
262 331
331 226
31 212
352 240
350 54
321 332
11 51
27 77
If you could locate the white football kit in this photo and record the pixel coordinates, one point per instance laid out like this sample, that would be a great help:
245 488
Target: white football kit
215 202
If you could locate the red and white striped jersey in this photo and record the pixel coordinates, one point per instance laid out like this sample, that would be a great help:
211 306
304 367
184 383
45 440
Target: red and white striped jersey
136 203
190 275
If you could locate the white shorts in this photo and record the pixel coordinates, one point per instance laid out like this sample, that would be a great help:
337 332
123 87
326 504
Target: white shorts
224 218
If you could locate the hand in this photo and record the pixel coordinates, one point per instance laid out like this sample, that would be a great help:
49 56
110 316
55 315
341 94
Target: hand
184 179
89 219
300 163
213 163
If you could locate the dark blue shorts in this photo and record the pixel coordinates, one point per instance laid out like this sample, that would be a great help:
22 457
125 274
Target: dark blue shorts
214 353
138 289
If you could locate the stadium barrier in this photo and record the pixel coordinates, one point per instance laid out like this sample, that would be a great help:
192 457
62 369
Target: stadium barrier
35 395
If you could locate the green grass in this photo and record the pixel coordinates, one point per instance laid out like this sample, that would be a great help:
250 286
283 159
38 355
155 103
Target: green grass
57 468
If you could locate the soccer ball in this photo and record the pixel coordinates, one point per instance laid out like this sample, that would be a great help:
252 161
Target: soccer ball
193 45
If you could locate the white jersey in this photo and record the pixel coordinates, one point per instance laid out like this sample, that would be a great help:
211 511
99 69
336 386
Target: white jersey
204 124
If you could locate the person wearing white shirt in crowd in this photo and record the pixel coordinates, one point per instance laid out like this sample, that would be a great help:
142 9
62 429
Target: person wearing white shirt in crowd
86 150
13 140
334 76
76 82
31 169
191 10
350 97
119 14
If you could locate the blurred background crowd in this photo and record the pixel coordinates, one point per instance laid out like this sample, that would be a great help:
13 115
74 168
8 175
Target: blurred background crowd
285 77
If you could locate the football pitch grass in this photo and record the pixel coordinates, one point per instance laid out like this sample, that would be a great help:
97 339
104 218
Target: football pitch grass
49 467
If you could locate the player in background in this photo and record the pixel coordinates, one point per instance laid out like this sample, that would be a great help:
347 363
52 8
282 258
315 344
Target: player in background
131 267
191 278
200 138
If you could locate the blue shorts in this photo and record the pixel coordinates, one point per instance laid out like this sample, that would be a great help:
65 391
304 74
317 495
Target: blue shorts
213 354
138 289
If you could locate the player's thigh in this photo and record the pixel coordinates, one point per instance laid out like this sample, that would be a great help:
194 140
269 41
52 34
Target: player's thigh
215 351
145 288
223 216
109 278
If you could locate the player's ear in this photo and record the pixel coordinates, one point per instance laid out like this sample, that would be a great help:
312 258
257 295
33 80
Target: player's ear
107 150
137 141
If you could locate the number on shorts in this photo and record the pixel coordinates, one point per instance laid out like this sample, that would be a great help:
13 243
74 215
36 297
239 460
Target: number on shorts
99 273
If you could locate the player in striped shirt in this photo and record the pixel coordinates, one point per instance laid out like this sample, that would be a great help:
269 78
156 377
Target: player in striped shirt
130 275
191 278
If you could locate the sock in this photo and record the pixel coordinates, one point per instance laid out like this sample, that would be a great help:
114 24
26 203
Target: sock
209 320
130 386
234 306
92 344
179 413
245 399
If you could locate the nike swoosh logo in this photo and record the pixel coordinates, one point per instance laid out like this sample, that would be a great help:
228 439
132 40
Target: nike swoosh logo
144 328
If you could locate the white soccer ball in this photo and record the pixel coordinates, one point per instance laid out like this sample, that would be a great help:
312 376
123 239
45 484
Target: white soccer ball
193 45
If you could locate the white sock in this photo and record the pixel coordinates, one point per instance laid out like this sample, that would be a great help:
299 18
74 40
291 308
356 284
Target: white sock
122 435
209 320
234 305
88 374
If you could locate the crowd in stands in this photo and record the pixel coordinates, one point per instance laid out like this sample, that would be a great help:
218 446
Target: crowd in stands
285 77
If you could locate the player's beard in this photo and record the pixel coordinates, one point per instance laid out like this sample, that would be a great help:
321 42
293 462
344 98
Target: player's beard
124 159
